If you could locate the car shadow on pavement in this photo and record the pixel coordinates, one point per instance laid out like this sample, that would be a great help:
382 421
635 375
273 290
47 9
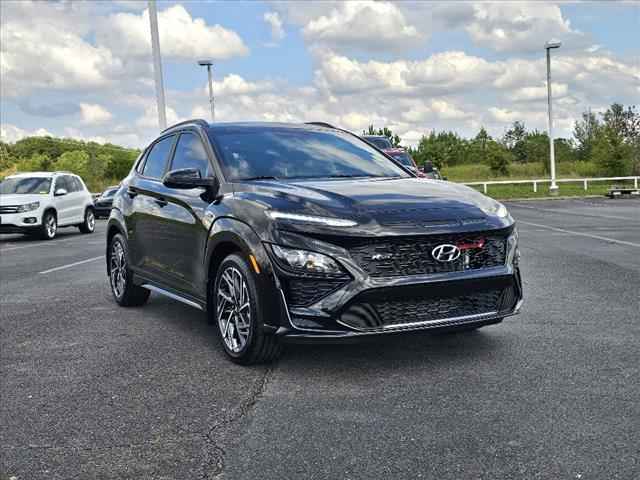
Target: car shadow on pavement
386 352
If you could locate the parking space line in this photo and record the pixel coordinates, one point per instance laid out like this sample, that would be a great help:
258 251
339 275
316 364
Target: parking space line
564 212
41 244
581 234
72 264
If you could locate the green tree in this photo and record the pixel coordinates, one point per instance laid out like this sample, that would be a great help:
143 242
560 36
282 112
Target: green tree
385 132
76 161
514 139
611 153
498 158
36 162
584 133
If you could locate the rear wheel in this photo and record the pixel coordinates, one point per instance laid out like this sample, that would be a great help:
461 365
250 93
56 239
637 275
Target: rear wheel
49 226
239 316
125 292
89 224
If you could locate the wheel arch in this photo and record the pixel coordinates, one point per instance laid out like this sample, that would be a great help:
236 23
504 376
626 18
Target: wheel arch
227 236
114 226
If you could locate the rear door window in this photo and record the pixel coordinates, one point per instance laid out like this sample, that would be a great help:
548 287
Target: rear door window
157 159
190 153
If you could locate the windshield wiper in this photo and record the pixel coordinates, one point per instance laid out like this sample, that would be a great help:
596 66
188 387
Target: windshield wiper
259 177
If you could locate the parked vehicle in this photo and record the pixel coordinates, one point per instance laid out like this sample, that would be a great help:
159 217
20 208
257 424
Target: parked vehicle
402 157
102 204
41 202
288 232
379 141
431 172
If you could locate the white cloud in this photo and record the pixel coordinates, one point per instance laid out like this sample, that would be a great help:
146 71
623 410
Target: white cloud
366 25
149 119
50 54
93 114
520 26
182 37
275 23
10 133
529 94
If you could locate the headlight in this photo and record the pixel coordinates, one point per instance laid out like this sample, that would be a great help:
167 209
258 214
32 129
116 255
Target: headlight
497 209
28 207
513 254
305 261
299 218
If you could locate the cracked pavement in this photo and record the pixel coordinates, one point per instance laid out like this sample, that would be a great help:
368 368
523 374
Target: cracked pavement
90 390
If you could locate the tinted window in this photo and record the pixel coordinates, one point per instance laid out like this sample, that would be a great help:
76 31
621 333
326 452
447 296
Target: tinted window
75 183
157 158
190 153
25 185
403 158
381 142
61 182
109 193
297 153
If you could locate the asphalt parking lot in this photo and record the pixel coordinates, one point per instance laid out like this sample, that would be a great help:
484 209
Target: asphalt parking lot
90 390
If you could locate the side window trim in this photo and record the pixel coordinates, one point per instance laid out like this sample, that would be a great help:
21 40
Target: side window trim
167 160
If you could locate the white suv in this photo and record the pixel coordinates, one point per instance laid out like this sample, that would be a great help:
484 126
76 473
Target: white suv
40 202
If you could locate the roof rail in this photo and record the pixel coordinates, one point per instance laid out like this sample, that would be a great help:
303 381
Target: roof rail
321 124
197 121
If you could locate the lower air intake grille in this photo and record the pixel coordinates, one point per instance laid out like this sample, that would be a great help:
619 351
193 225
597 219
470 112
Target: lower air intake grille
302 292
388 313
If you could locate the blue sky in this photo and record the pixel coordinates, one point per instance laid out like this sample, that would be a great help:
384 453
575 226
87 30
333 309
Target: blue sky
83 69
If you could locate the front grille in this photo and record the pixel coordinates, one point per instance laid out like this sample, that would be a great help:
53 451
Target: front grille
305 291
403 256
9 208
389 313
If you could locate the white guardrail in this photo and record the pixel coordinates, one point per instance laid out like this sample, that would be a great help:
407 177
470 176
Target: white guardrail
585 182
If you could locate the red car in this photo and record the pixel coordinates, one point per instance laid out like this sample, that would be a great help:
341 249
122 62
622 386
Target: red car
399 154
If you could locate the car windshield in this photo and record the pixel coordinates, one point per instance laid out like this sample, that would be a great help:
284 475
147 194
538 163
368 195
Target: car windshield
403 158
288 153
25 185
109 193
381 142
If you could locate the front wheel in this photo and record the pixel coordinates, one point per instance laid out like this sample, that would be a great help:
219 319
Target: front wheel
239 316
89 224
124 291
49 226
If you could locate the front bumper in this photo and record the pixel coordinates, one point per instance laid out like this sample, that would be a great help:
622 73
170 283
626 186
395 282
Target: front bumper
411 307
20 222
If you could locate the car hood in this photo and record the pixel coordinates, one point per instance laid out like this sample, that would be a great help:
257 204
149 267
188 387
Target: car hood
20 199
382 206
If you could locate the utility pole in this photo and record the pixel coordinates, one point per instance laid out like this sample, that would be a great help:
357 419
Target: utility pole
157 64
553 189
209 64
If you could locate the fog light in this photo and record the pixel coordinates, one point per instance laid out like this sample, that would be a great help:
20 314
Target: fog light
30 220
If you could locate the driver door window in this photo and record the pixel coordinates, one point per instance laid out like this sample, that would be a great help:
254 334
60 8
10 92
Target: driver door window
190 153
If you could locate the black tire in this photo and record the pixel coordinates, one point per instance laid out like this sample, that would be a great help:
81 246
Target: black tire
258 347
124 291
89 224
49 226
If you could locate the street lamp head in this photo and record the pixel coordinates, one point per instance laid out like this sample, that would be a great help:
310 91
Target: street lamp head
552 44
204 63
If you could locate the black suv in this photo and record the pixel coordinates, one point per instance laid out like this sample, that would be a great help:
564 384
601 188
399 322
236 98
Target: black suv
305 232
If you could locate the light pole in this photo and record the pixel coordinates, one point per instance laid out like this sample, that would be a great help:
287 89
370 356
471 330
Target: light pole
157 64
209 64
553 189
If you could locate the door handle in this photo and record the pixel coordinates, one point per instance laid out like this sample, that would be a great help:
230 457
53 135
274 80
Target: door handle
161 202
132 192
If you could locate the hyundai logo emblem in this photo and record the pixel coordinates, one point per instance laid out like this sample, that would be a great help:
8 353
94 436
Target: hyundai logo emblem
446 253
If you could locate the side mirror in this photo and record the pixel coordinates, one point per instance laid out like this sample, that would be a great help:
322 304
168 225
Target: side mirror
186 178
60 192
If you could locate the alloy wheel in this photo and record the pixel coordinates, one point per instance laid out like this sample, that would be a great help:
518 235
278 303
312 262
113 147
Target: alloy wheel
51 226
91 220
118 269
233 309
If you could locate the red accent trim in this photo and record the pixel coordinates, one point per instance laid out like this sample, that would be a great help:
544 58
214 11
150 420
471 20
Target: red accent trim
471 245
